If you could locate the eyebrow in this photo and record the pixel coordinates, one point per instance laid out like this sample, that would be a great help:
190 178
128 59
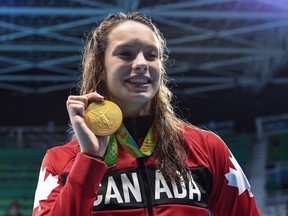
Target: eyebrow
131 45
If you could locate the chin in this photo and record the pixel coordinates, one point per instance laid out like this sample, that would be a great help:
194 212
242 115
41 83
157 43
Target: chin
141 98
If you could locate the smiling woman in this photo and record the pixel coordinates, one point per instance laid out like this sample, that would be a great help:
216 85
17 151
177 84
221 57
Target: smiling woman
132 67
155 162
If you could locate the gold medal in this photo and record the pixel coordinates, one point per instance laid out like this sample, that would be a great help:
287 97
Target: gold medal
103 118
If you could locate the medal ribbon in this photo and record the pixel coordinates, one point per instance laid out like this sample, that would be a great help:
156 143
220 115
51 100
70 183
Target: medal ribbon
129 145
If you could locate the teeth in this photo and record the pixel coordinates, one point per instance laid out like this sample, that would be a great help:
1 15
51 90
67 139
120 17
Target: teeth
138 80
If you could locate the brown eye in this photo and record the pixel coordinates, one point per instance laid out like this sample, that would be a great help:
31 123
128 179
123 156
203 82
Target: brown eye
151 56
125 55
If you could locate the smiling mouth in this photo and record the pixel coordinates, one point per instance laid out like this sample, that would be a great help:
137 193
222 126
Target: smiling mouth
138 81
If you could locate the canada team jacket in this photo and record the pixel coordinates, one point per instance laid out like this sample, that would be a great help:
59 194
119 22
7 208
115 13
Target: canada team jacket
74 184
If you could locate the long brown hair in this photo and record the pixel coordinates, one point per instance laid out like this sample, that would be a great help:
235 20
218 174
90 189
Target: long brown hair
170 153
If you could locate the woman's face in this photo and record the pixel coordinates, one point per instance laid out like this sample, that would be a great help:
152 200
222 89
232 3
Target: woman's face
132 66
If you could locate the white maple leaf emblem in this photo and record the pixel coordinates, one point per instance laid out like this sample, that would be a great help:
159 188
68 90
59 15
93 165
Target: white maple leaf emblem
44 187
237 178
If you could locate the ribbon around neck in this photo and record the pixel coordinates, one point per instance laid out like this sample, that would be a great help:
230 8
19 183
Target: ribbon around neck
129 145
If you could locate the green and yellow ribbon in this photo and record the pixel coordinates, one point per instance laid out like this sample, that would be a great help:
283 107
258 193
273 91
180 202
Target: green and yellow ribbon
129 145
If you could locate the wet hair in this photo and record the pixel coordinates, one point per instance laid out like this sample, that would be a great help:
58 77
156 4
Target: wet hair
170 156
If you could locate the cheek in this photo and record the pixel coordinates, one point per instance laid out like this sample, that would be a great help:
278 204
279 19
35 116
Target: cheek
108 73
159 75
112 80
104 78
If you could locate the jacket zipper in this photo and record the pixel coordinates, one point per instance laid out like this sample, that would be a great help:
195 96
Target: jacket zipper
143 171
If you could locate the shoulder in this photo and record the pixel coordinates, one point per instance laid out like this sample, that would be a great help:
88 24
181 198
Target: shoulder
205 146
67 150
58 158
196 135
71 147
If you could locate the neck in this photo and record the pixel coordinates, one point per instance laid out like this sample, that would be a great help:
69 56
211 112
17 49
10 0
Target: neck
139 126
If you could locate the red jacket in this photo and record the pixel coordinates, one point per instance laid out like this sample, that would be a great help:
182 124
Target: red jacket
70 181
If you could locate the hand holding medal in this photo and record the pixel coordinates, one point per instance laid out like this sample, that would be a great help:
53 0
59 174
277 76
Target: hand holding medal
103 118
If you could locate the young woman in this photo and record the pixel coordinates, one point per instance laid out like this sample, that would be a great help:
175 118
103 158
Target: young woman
174 167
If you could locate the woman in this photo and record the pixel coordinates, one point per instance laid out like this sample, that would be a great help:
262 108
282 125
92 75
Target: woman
185 171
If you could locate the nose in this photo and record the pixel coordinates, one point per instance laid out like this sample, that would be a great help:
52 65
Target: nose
140 63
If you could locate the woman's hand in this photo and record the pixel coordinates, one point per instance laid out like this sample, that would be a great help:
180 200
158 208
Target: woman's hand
89 143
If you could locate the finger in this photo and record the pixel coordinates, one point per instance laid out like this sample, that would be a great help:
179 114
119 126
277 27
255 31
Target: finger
75 98
76 109
72 101
94 96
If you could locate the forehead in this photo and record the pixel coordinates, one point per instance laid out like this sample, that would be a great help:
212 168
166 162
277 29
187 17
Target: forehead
131 32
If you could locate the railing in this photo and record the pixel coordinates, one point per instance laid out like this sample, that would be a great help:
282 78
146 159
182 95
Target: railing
44 137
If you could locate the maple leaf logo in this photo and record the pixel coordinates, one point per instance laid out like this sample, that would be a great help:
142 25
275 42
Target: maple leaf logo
237 178
44 187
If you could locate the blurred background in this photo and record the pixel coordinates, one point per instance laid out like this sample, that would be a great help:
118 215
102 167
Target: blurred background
229 73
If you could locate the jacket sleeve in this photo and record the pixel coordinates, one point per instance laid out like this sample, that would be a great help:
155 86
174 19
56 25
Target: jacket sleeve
76 196
232 193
